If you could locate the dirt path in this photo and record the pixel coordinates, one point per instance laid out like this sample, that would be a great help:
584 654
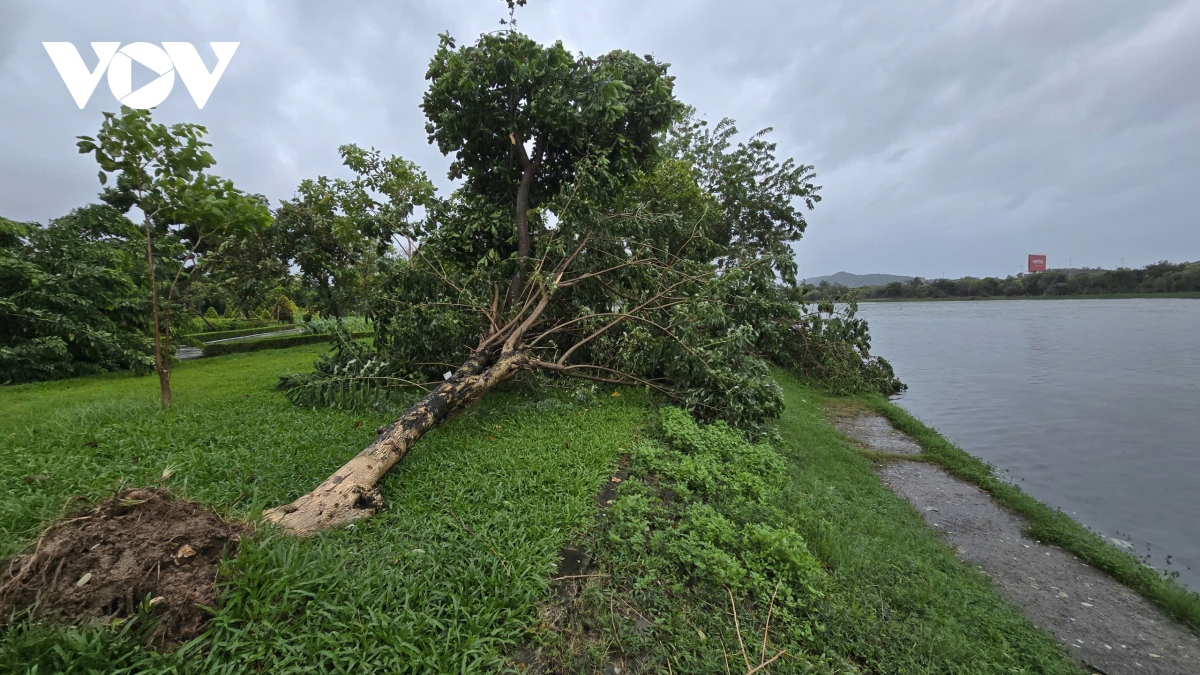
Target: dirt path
1103 623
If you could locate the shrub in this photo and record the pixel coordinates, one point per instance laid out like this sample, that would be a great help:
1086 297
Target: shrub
73 299
285 309
280 342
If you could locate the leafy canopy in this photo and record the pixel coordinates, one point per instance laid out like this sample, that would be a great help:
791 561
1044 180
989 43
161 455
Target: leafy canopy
523 121
599 231
160 170
334 230
72 297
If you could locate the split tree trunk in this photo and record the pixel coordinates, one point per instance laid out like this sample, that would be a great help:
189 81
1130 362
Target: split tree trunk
350 493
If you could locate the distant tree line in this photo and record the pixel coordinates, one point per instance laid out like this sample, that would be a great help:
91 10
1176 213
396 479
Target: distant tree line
1161 277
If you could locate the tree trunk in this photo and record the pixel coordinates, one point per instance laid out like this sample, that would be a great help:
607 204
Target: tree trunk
524 241
160 364
350 493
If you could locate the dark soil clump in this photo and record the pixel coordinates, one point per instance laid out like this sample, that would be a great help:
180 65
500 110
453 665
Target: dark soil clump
142 546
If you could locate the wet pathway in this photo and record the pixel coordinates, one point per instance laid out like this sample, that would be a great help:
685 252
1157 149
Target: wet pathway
1107 626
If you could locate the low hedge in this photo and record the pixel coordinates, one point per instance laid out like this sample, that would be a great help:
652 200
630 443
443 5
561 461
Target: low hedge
221 324
281 342
223 334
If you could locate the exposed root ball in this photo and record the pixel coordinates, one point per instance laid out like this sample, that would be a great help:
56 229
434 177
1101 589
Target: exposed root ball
102 563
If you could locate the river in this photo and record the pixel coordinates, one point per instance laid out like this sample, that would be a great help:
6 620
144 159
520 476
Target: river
1091 406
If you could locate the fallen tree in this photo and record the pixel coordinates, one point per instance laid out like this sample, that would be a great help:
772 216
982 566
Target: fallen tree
599 232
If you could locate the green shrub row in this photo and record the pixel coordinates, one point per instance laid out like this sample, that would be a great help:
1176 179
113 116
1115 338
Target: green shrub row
222 324
223 334
281 342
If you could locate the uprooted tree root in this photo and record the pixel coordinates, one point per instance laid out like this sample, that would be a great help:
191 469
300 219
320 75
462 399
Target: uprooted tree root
104 563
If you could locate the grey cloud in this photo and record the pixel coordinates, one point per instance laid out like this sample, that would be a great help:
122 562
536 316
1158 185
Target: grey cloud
950 136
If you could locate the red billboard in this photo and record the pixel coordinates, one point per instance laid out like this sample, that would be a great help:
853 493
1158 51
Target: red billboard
1037 263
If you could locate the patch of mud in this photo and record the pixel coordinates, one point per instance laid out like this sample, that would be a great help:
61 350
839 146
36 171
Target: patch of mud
578 612
875 432
102 564
1097 619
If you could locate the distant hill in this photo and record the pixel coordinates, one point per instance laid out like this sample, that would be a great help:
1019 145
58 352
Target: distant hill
857 280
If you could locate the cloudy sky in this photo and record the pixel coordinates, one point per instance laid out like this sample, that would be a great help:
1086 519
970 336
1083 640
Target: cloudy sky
951 138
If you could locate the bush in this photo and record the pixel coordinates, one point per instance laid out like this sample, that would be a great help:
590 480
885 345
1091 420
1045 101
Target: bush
285 309
209 336
73 298
280 342
831 345
353 324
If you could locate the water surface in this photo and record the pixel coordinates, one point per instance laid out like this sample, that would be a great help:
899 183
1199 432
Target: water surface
1091 406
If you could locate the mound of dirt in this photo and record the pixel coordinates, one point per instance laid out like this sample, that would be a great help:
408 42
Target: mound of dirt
101 564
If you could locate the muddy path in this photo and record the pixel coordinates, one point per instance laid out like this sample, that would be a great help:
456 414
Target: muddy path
1103 623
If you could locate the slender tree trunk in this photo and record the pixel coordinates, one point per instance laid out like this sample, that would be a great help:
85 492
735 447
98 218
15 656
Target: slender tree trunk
160 364
350 493
524 241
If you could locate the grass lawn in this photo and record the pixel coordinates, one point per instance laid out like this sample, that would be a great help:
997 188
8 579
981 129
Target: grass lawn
454 576
898 599
443 581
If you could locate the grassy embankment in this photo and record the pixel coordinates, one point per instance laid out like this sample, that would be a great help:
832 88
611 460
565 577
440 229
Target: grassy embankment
1047 524
1098 296
454 576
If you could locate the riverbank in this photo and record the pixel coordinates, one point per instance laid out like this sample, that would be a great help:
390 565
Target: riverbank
1103 296
1044 523
1103 622
464 568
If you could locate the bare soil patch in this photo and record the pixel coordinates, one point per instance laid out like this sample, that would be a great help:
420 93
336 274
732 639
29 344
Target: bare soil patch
101 564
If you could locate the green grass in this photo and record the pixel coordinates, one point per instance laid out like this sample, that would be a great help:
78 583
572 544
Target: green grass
899 599
1096 296
892 597
445 580
454 576
1047 524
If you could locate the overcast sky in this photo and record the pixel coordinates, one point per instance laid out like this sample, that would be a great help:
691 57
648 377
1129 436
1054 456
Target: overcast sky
950 137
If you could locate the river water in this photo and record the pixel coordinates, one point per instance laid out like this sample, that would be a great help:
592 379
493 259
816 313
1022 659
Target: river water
1091 406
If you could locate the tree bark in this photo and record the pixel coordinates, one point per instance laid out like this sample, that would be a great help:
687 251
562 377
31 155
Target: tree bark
524 242
160 365
350 493
529 167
